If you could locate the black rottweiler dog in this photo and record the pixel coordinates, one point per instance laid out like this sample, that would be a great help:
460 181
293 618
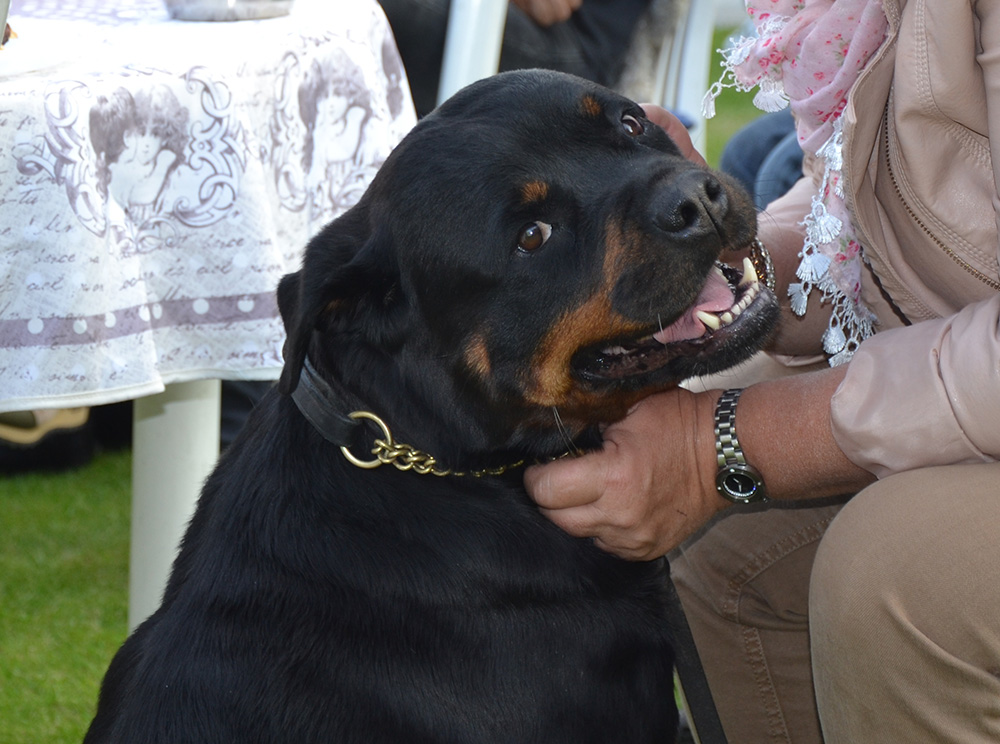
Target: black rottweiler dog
531 260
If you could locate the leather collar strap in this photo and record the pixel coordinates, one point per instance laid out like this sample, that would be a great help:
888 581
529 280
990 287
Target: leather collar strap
316 401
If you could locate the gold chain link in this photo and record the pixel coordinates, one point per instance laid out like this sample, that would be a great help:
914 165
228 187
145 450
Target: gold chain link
404 457
760 257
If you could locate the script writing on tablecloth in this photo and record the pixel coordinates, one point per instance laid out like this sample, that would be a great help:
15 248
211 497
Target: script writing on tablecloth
148 212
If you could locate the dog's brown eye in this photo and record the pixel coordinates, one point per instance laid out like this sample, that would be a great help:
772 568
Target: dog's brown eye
632 125
533 236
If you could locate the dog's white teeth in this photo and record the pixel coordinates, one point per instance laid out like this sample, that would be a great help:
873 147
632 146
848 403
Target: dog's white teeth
614 350
749 283
744 303
711 321
749 273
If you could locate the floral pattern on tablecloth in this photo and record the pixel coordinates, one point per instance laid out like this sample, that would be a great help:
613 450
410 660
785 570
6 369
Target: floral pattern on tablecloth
148 210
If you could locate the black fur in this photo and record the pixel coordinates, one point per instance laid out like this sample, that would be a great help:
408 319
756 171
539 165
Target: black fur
313 601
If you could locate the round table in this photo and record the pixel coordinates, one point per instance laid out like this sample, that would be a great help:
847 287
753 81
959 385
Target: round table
158 179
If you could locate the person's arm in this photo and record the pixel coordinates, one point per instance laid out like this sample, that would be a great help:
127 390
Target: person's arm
929 394
924 395
780 228
652 484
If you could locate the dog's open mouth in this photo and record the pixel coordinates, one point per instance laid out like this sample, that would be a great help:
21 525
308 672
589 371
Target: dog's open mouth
728 308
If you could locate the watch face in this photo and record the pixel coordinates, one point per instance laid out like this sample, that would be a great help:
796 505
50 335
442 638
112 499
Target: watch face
740 483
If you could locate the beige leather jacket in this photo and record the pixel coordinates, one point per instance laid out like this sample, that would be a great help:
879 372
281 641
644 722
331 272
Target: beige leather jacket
922 167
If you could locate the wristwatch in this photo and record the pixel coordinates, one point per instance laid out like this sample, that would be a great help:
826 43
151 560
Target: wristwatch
736 481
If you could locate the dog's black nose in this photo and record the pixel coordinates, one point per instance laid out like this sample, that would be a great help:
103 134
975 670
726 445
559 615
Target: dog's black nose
690 205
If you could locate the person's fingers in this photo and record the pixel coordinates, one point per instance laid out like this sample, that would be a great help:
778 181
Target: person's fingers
592 520
548 12
676 130
628 553
574 494
567 482
578 521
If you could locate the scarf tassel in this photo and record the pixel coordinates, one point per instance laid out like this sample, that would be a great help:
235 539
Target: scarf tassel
770 96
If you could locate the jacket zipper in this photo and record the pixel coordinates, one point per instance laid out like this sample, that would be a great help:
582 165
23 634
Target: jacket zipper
985 279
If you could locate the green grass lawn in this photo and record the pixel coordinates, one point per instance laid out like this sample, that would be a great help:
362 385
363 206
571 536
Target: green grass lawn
63 605
733 108
64 568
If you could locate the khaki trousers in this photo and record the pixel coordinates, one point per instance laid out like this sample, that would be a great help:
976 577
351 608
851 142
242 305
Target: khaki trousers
874 621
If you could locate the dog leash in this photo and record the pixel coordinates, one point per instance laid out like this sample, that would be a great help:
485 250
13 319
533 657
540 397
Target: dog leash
699 703
318 403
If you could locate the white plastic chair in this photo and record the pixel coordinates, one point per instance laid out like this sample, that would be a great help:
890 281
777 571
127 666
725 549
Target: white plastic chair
472 44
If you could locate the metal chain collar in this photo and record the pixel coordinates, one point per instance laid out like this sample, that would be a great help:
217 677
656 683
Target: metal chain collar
388 451
760 257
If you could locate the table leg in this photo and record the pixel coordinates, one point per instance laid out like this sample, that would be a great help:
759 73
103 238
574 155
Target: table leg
175 446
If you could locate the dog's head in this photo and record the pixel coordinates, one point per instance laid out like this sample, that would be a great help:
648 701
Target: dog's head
535 243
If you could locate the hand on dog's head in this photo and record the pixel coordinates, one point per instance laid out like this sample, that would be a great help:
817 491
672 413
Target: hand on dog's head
534 243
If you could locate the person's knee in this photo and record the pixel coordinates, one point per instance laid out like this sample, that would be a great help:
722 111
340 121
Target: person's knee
901 556
859 560
904 611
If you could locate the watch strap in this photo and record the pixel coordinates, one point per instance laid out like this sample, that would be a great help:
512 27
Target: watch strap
736 480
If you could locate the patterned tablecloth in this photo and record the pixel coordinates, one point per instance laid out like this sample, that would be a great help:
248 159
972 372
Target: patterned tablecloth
158 177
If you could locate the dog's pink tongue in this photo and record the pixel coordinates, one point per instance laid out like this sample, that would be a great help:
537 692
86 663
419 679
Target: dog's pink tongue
715 297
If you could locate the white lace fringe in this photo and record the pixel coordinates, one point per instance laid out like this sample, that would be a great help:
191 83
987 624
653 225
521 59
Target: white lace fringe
850 321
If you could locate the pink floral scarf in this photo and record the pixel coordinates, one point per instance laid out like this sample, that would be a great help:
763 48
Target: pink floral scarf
809 53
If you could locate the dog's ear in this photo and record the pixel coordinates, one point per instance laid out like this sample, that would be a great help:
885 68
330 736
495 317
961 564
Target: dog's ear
294 351
348 269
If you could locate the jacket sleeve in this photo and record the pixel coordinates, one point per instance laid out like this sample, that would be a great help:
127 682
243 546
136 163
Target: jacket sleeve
929 394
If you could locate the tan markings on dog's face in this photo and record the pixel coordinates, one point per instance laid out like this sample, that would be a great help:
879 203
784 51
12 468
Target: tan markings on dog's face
551 383
333 307
591 106
534 191
477 357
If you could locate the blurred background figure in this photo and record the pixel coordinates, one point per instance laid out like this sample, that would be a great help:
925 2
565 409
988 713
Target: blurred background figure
589 38
765 156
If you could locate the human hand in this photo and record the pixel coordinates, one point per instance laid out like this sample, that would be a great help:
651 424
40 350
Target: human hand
676 130
548 12
650 486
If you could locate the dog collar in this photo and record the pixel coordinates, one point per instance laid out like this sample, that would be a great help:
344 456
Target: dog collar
736 481
760 257
317 402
